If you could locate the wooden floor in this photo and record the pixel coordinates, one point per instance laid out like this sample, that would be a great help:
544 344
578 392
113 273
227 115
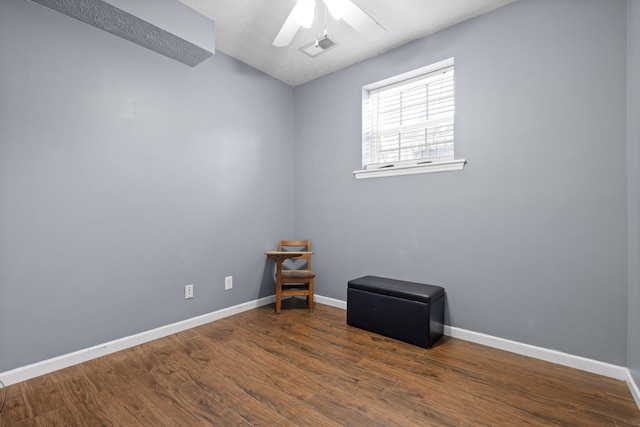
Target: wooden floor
262 369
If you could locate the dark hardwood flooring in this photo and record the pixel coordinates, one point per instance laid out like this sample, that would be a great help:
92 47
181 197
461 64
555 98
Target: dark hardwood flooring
262 369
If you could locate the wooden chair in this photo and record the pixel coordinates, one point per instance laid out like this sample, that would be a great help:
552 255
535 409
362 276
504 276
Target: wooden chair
296 281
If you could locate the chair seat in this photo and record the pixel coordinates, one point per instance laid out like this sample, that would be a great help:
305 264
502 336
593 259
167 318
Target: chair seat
297 274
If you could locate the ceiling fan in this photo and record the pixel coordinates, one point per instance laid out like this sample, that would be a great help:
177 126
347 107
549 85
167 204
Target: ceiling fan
304 11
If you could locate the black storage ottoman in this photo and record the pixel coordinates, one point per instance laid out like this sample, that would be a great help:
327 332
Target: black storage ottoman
406 311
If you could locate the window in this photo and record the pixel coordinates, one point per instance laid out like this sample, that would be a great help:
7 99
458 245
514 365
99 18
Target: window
408 123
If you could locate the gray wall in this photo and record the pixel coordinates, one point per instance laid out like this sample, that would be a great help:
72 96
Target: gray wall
633 173
125 175
530 239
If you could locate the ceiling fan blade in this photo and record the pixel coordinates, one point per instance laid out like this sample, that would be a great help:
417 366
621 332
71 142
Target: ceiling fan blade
301 16
336 8
288 30
361 21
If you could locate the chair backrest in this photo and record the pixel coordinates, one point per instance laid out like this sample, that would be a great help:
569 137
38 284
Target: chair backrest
299 263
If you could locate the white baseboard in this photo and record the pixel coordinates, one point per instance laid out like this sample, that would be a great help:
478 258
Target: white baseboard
330 301
554 356
633 387
50 365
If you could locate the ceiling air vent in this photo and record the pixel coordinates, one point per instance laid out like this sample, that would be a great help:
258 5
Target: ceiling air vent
316 48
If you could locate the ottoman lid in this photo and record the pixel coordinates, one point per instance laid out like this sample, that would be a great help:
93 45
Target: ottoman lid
397 288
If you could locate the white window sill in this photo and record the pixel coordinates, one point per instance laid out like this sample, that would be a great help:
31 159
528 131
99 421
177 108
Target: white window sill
391 170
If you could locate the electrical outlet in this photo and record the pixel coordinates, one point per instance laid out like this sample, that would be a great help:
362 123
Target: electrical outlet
228 283
188 291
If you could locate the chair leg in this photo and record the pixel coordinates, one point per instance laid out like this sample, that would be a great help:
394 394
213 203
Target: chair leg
310 296
278 298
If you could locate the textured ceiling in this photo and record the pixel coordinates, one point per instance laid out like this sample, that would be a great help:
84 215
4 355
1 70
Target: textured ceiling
245 30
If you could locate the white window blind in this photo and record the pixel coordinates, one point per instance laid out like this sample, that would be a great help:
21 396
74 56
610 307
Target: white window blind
410 121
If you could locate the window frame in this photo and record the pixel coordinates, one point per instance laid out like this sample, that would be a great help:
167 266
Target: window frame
403 167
